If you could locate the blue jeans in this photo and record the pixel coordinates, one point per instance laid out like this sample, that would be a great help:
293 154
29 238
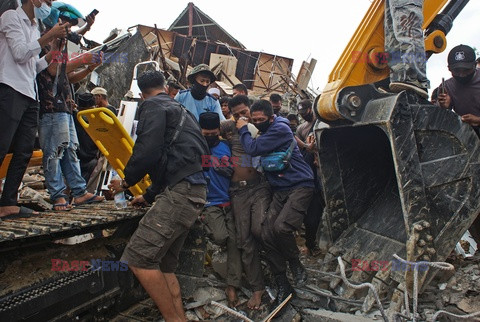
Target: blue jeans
59 142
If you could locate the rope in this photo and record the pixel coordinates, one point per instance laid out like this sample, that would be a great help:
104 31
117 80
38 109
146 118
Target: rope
360 286
415 265
434 318
231 312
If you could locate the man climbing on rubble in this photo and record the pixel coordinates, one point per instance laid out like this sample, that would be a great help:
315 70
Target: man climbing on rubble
250 196
405 46
169 147
20 46
292 191
217 215
196 99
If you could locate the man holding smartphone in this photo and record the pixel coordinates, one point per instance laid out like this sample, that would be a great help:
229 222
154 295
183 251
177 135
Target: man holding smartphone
20 46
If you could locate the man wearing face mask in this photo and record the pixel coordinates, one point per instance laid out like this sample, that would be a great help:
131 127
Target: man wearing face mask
462 94
196 99
20 46
292 192
462 91
315 209
276 101
217 215
293 122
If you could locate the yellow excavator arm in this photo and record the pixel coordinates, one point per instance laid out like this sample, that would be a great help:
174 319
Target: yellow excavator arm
364 60
399 175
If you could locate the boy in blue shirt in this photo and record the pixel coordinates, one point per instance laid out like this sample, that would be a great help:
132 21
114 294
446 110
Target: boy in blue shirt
217 215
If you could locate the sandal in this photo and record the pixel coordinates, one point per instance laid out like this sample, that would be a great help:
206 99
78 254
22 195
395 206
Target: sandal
23 212
66 205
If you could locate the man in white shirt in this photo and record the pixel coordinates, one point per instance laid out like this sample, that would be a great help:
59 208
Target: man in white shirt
20 46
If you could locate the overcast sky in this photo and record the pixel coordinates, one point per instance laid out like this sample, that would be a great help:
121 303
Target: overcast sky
297 29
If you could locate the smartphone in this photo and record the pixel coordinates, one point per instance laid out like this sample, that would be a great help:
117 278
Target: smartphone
443 89
93 13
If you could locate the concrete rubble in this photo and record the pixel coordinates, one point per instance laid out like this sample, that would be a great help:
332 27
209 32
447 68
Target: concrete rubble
455 291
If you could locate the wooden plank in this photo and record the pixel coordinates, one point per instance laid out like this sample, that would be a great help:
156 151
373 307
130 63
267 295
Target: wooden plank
305 74
193 26
229 63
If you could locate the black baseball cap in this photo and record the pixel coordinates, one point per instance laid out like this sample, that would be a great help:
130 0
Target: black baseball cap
461 56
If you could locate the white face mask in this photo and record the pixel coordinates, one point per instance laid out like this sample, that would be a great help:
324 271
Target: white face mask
42 12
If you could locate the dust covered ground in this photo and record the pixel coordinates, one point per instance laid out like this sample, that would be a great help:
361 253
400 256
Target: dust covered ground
455 291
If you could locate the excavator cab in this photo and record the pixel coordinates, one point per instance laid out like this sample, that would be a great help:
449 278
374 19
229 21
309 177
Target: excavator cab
399 175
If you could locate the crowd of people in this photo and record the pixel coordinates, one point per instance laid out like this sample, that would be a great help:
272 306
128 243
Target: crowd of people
36 96
244 168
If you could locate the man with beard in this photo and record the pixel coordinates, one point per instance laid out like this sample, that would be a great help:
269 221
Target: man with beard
196 99
292 191
462 95
217 215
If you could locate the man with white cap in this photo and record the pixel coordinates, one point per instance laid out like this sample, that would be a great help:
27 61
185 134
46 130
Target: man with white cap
101 99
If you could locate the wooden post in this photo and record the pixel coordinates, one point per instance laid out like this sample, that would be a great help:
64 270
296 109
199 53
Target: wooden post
190 19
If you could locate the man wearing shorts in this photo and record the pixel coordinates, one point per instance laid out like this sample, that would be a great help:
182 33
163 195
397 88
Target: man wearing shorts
178 191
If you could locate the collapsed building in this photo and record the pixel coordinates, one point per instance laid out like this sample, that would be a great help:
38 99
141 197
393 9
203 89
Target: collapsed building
194 38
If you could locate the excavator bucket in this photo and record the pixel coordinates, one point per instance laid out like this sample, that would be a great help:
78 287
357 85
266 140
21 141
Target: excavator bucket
404 178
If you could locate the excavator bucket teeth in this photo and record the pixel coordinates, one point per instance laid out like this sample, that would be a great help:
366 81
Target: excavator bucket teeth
407 173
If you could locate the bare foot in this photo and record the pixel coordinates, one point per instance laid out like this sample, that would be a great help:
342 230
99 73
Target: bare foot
232 297
255 301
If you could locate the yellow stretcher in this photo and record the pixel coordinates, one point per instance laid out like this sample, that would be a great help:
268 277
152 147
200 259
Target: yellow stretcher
35 160
112 140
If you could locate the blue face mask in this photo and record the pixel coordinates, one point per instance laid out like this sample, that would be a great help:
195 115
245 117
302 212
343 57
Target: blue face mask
42 12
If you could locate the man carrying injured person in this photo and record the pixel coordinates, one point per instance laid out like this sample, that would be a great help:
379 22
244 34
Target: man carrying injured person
292 191
217 215
250 196
178 189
